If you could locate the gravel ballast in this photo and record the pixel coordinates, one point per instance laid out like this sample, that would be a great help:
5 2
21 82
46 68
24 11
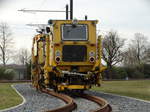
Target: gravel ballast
123 104
35 101
39 102
84 105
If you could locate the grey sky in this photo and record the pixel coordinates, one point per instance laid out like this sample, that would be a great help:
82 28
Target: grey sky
125 16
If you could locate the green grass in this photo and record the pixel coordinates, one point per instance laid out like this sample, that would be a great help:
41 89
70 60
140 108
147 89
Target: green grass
8 96
137 88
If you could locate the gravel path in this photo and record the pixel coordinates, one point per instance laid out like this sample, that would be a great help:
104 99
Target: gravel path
84 105
35 101
123 104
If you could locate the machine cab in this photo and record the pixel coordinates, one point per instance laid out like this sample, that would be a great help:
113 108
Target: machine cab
74 43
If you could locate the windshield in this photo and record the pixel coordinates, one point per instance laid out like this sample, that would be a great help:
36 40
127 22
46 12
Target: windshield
74 32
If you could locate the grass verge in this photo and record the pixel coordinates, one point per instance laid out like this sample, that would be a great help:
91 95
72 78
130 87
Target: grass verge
8 96
137 88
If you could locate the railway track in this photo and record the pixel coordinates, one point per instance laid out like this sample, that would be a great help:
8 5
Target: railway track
103 104
71 105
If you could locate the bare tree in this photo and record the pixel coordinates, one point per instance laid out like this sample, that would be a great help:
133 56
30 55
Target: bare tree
129 57
111 51
138 51
23 56
139 44
148 55
6 43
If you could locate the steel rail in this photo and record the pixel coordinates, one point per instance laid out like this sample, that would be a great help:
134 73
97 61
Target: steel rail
104 106
70 104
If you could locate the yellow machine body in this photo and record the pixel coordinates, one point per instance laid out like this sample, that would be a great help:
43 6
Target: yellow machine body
67 56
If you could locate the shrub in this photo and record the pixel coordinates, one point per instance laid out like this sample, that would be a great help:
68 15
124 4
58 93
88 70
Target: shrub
132 72
28 66
119 73
7 74
135 72
146 70
2 74
138 74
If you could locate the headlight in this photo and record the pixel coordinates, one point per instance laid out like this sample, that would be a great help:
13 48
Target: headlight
57 59
92 59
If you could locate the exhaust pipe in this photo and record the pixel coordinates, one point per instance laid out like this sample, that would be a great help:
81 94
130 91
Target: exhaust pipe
67 12
71 9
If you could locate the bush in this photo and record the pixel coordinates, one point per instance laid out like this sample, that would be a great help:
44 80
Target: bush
7 74
146 70
135 72
119 73
132 72
2 74
138 74
28 66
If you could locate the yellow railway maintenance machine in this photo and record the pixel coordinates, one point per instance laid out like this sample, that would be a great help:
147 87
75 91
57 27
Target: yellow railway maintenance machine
67 56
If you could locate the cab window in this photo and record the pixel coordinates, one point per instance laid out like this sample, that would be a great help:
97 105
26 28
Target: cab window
74 32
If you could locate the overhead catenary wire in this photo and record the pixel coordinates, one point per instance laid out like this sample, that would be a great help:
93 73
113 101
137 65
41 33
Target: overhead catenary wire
25 10
42 4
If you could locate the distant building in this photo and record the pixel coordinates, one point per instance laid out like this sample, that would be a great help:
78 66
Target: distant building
21 71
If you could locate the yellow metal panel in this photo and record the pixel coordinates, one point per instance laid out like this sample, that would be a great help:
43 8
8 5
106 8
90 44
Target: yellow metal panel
40 52
62 87
91 41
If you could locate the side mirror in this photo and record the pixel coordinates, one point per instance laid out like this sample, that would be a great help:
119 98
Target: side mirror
47 29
